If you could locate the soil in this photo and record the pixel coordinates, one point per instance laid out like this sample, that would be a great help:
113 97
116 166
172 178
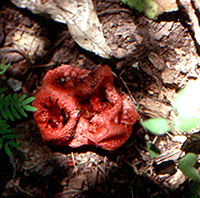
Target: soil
153 60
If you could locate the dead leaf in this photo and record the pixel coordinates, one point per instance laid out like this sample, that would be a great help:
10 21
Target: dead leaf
80 17
166 6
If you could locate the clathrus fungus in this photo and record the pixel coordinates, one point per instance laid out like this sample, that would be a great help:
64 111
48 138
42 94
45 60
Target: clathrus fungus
81 107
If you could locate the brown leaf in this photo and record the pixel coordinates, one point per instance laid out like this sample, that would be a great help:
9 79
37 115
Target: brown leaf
80 17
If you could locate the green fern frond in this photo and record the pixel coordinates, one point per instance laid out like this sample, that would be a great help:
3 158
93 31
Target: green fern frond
3 66
14 107
4 127
11 107
28 100
20 99
3 89
7 137
7 146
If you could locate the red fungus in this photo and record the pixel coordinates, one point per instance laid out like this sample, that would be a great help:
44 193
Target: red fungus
78 107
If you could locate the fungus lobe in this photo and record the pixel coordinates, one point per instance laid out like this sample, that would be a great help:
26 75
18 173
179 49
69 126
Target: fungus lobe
81 107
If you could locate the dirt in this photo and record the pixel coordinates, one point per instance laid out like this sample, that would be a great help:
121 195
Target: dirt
153 61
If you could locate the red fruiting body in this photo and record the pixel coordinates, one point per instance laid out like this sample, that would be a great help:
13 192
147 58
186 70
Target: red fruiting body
80 107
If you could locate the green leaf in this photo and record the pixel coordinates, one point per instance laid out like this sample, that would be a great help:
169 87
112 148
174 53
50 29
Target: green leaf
137 4
22 112
158 126
184 124
14 112
9 136
14 98
7 149
2 100
152 8
187 101
3 89
30 108
153 150
4 114
2 121
6 107
10 115
3 126
28 100
14 144
20 99
187 104
1 143
194 190
10 143
6 131
149 7
186 165
7 99
13 106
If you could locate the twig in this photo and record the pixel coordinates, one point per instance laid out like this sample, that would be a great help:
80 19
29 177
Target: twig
194 19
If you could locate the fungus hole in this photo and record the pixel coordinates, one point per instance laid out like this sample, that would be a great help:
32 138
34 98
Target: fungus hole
102 95
65 117
55 115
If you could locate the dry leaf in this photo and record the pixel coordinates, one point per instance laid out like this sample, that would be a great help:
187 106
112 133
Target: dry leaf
80 17
166 6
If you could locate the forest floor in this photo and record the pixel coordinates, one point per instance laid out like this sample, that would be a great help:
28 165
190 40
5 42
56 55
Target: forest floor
157 59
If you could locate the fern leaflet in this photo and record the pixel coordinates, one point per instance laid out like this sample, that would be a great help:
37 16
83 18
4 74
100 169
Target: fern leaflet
11 107
7 137
14 107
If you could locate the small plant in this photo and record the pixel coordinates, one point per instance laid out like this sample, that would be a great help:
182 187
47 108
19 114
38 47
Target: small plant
151 8
14 107
7 137
11 107
186 165
187 107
